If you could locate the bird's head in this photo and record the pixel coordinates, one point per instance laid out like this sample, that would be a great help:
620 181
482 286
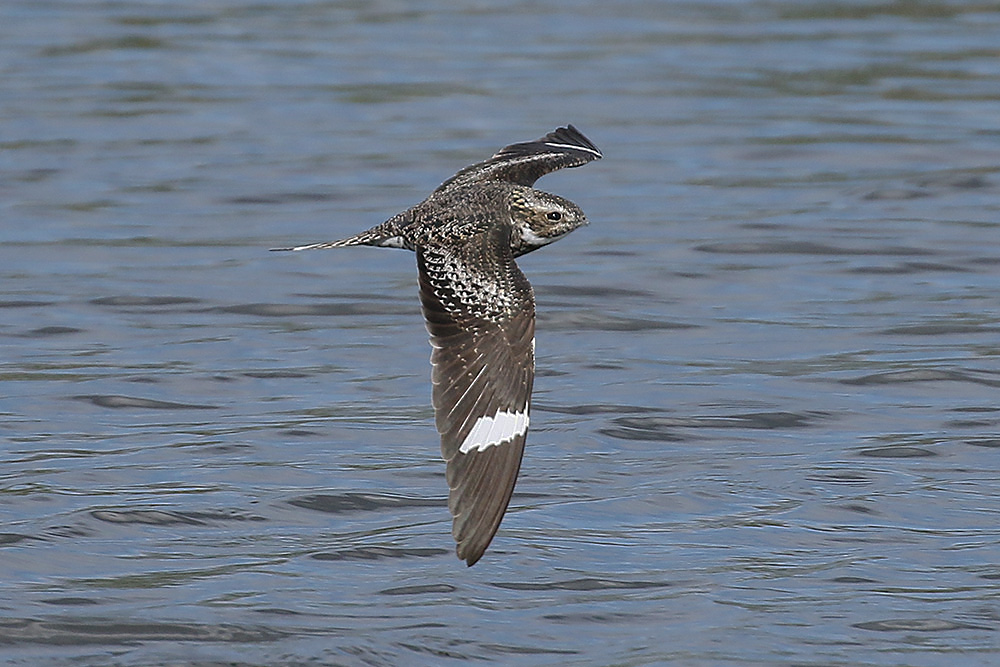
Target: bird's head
540 218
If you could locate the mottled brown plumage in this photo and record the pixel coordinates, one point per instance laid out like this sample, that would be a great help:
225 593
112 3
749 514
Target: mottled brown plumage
480 313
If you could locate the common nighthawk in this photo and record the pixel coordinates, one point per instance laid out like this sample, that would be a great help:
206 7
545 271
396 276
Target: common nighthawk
480 312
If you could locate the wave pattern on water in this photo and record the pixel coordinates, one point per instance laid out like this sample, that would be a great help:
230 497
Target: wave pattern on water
765 413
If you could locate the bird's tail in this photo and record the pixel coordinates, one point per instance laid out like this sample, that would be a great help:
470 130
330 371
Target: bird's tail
373 236
343 243
385 235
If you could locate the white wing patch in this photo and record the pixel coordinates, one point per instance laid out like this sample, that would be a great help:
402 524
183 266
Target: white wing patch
496 430
574 147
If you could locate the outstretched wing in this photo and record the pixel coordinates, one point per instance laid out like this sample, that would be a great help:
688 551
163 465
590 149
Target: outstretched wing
526 162
480 313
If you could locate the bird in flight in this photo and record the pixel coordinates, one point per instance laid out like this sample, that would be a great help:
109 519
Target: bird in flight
480 313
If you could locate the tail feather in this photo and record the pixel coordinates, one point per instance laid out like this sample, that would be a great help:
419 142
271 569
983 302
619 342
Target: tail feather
385 235
343 243
373 236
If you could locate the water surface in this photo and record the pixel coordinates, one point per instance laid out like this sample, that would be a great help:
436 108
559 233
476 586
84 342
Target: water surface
766 413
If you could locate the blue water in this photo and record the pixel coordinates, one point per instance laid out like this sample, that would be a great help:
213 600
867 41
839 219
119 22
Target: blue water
767 411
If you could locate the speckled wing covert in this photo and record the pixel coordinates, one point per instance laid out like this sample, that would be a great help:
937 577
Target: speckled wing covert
526 162
480 313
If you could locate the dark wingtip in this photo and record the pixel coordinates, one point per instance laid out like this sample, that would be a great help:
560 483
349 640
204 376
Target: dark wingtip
566 139
571 137
472 559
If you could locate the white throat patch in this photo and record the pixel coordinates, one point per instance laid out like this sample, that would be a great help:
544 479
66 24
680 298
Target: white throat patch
490 431
533 239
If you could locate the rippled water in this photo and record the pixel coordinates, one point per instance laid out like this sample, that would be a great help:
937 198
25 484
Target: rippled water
767 412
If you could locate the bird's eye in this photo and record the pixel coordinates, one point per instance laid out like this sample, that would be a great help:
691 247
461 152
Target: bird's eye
554 216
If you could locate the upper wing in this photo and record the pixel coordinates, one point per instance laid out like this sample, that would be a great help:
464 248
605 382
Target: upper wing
480 313
526 162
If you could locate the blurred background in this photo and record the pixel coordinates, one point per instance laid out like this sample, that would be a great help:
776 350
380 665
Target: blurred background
767 409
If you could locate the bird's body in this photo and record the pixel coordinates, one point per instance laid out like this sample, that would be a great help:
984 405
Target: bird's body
480 312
